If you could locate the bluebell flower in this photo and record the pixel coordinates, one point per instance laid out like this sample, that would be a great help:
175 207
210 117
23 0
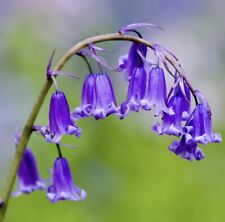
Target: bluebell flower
136 92
63 187
60 122
180 102
186 149
134 59
98 98
156 94
201 123
28 177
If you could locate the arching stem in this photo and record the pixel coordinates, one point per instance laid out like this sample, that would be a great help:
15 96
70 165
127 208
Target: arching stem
27 130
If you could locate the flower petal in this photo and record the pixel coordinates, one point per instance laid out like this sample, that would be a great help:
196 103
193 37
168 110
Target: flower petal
63 187
139 25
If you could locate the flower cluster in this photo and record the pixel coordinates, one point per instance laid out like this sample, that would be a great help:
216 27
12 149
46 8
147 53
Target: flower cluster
146 90
62 187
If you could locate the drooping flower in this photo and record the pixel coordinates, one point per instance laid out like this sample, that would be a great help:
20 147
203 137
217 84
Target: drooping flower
186 149
98 98
180 102
88 98
136 92
63 187
135 59
60 122
28 177
155 94
201 123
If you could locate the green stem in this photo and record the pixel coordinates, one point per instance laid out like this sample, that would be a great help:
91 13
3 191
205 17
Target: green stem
27 130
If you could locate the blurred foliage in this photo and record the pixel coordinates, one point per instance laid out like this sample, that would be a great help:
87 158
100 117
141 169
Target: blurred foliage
129 175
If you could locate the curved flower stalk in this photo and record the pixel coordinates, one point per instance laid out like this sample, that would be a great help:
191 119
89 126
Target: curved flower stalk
146 89
63 187
98 99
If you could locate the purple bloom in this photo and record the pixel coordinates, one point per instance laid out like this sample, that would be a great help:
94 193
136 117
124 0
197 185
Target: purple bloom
186 149
136 92
98 98
28 177
63 187
60 122
155 94
133 60
180 102
201 122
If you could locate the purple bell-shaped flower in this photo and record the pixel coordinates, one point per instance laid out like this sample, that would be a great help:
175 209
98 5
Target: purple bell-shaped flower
155 94
133 60
88 98
98 98
202 126
136 92
60 122
63 187
180 102
186 149
28 177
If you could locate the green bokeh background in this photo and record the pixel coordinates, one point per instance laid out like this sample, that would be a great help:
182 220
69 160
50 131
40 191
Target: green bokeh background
126 169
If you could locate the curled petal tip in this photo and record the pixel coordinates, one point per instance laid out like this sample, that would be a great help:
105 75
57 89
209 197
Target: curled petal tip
61 73
91 53
139 25
91 45
50 61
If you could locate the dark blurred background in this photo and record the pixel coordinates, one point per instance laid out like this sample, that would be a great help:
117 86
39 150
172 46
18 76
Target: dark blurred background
126 169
